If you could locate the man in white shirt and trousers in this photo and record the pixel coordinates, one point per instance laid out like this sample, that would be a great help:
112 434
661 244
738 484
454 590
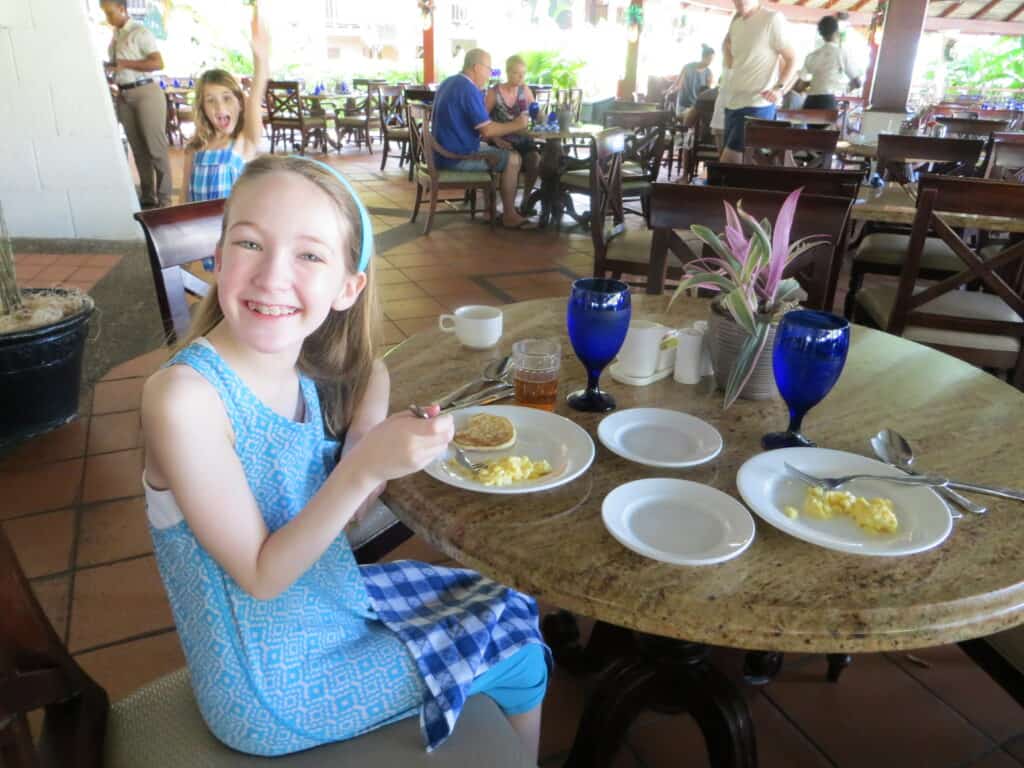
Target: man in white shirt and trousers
762 66
141 105
830 70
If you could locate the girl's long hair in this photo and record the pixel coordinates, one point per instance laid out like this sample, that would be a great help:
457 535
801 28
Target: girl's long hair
205 130
338 355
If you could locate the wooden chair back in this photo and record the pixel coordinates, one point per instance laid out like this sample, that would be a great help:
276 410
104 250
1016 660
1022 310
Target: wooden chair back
606 154
419 93
955 157
810 116
284 103
418 119
1001 275
571 99
774 145
367 84
815 181
542 94
37 672
176 236
679 206
391 106
970 128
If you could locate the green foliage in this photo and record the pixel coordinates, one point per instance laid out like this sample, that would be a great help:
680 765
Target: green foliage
997 66
236 62
551 68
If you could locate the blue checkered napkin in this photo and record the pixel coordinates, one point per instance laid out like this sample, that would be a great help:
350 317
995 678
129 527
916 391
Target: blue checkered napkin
456 624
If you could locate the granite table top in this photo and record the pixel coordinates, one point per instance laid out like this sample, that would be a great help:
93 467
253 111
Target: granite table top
782 594
895 203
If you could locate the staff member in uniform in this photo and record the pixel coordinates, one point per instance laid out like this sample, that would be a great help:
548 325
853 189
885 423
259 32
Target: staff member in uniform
141 106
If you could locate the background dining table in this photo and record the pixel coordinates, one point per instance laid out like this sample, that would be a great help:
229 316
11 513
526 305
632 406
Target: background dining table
553 162
782 594
896 203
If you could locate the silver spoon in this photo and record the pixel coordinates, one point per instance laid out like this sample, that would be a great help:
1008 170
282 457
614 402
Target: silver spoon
495 372
892 448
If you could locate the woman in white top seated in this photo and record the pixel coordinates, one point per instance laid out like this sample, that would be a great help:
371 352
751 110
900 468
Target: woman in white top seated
829 70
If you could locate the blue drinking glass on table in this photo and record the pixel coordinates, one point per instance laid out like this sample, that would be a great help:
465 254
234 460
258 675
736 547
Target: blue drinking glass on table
810 352
534 111
598 318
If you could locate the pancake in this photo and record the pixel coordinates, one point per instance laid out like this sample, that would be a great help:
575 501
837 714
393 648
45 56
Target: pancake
486 432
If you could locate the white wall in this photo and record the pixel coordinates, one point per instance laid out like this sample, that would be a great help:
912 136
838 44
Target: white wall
63 171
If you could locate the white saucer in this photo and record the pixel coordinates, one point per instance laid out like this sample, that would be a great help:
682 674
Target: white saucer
677 521
659 437
615 371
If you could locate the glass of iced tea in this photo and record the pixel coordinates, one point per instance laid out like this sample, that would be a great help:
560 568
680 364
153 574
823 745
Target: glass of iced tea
535 366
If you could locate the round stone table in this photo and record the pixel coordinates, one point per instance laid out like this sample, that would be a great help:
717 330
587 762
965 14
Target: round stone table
782 594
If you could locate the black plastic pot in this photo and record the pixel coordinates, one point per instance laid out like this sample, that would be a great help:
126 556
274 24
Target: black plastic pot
40 375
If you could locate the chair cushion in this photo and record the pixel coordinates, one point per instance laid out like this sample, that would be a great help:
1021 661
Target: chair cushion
355 122
886 248
878 301
632 245
456 177
397 133
578 179
159 726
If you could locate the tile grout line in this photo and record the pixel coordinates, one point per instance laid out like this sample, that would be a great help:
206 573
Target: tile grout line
125 640
73 555
765 692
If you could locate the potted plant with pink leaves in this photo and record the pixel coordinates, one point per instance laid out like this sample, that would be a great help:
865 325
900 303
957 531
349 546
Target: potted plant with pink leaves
745 268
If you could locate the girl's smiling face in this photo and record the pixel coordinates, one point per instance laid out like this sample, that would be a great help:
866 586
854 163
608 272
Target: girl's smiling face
283 263
222 108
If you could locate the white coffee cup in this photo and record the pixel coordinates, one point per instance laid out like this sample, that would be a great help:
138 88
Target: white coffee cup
476 326
639 354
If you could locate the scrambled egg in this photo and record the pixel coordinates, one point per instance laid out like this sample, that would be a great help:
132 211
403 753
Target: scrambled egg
506 471
870 514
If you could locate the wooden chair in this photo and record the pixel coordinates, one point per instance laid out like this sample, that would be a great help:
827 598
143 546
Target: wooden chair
287 115
357 119
419 93
882 248
699 144
957 157
180 235
774 145
542 94
678 207
431 179
160 726
1006 162
391 109
986 327
571 99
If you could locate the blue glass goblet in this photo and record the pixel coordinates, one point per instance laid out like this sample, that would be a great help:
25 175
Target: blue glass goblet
810 352
598 318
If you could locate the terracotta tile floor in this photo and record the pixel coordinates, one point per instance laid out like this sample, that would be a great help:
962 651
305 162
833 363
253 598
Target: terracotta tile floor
72 505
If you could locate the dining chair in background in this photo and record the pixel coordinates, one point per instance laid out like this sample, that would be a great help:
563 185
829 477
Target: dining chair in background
357 118
984 327
699 143
788 146
160 726
391 113
949 156
834 119
288 116
676 207
645 149
432 179
1006 163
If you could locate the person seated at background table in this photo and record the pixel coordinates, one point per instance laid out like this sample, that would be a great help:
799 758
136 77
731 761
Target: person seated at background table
504 103
694 78
461 122
828 71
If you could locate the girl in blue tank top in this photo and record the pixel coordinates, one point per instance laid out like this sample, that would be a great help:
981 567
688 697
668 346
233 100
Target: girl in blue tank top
265 435
228 124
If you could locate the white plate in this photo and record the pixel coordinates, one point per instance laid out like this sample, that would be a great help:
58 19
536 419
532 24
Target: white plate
659 438
767 487
677 521
539 435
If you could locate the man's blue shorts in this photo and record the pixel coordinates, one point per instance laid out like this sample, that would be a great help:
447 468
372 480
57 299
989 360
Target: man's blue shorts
735 120
481 165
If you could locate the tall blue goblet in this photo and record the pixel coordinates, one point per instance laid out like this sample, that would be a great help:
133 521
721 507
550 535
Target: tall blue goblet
598 318
810 352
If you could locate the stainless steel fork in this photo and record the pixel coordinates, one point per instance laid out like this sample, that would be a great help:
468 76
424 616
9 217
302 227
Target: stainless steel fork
832 483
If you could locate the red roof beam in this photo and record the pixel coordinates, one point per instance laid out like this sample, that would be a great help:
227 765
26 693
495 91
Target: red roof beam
985 9
949 9
858 5
1015 14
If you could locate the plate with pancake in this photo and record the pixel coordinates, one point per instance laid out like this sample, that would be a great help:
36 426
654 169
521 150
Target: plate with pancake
503 435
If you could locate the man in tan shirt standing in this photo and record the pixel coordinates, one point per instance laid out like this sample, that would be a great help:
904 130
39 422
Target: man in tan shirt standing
141 106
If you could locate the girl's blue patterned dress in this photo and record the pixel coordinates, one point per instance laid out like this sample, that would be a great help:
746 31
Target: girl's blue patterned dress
214 173
317 663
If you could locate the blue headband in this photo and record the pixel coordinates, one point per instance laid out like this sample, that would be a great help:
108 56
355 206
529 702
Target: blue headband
366 246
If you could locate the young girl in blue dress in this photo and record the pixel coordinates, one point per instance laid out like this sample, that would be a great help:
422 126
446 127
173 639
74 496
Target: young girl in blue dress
289 643
228 124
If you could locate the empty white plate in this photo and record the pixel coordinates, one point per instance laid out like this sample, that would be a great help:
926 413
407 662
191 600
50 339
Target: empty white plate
677 521
766 485
659 437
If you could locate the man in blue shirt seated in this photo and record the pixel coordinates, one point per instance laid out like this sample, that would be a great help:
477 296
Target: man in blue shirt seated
461 121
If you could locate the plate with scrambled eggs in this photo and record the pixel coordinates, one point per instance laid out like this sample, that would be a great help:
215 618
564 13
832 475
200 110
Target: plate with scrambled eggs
542 451
864 517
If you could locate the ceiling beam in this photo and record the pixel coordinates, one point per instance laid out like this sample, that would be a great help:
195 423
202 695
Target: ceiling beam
805 14
985 9
948 10
830 3
858 5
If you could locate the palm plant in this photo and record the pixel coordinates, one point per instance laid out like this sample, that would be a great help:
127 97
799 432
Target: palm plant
746 273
